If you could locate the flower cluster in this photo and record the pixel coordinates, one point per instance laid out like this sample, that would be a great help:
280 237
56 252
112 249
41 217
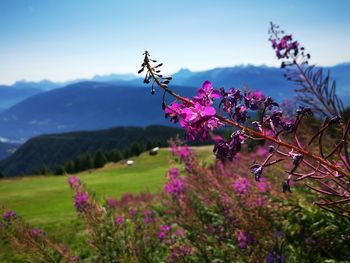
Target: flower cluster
227 149
244 239
175 185
240 185
9 215
73 181
284 46
119 220
198 116
81 200
36 233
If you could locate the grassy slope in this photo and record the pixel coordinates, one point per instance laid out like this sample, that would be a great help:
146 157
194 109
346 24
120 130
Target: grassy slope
47 201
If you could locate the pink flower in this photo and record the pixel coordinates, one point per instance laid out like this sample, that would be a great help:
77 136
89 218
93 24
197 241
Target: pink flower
242 239
9 215
81 200
73 181
175 187
173 172
119 220
197 112
161 235
165 228
173 111
180 232
111 202
36 233
241 185
207 92
262 185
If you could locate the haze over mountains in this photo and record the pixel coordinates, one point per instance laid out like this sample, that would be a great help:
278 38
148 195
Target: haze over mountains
34 108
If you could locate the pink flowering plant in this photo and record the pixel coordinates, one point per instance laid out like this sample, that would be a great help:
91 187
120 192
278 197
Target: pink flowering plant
236 208
326 165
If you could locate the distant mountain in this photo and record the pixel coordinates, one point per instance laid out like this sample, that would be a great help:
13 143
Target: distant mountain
270 80
84 106
56 149
113 77
10 96
124 100
20 90
7 148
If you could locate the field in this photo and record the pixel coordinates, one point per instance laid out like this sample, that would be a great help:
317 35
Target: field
46 201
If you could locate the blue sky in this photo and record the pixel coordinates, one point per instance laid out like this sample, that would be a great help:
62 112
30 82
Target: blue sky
68 39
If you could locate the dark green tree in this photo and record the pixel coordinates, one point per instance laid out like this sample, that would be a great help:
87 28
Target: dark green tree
99 159
135 149
60 170
69 167
126 153
44 170
88 162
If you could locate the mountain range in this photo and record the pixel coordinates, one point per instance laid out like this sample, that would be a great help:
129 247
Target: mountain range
123 100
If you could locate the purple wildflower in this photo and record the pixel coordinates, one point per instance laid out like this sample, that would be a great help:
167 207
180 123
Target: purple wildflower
81 200
242 239
173 111
165 228
161 235
206 93
111 202
262 185
241 185
180 232
9 215
73 181
175 186
119 220
36 233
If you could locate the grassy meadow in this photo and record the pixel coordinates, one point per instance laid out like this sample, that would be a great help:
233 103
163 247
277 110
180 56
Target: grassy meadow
46 201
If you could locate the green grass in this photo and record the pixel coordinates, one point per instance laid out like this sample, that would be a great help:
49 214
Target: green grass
46 201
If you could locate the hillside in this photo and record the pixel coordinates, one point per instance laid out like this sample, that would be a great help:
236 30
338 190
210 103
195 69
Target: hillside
119 100
56 149
7 148
84 106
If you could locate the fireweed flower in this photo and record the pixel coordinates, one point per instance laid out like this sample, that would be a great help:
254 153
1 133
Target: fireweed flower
241 185
173 172
242 238
111 202
206 94
80 201
73 181
36 233
198 118
119 220
148 216
9 215
254 100
161 235
165 228
173 111
180 232
175 186
284 46
262 185
228 149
